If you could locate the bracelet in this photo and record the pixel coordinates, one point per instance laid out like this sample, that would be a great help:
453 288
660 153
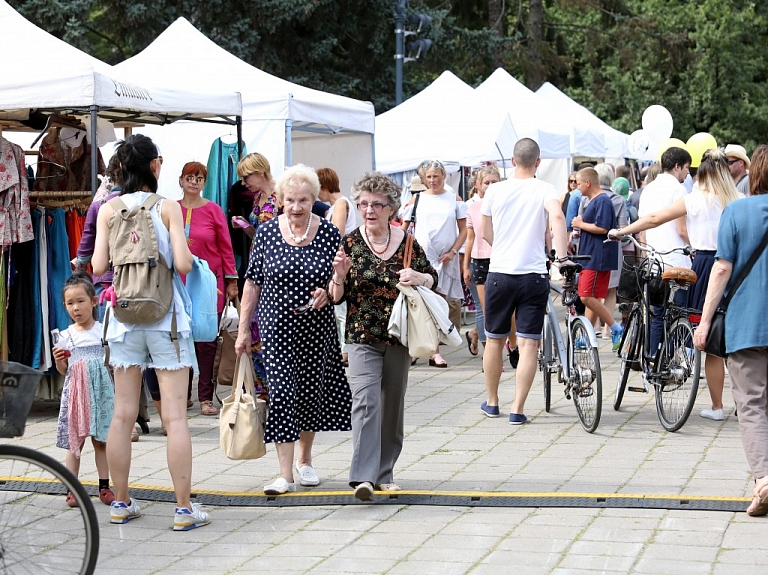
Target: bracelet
454 251
333 281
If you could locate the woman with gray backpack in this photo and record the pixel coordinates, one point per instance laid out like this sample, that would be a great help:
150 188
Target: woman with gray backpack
142 237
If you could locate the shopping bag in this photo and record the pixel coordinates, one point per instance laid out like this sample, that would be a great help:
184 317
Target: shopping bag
224 360
241 422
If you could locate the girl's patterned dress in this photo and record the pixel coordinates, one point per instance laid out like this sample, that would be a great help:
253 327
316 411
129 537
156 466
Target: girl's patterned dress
261 215
88 398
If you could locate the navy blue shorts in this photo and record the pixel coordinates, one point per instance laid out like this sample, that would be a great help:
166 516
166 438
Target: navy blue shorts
523 295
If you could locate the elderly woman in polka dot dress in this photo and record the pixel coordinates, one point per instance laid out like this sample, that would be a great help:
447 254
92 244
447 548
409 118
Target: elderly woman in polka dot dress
290 267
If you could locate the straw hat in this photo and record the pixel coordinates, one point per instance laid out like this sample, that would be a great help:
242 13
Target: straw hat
416 185
738 152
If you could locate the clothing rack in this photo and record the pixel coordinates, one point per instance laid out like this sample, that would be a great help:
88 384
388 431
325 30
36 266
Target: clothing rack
36 195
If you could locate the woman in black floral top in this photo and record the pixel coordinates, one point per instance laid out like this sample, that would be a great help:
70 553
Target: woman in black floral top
367 269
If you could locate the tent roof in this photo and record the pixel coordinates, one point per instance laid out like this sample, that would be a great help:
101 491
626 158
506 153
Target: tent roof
52 75
182 54
533 118
615 141
448 121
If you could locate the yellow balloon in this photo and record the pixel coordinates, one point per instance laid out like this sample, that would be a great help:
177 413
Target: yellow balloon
698 144
664 145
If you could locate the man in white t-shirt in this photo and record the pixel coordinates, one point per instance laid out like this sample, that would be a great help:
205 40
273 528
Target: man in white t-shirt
666 189
516 217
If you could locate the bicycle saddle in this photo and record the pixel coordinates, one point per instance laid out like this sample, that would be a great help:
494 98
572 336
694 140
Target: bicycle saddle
569 269
681 276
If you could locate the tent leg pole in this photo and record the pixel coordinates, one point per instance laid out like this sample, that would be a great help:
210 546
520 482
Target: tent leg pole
373 153
239 124
288 143
94 150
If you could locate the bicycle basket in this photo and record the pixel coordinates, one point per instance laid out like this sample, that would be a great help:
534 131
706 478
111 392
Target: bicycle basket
633 277
18 384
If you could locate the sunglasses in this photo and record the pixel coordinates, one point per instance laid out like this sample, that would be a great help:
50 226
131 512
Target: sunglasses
732 161
432 164
571 181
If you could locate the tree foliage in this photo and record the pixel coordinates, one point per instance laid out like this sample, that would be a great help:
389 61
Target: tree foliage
702 59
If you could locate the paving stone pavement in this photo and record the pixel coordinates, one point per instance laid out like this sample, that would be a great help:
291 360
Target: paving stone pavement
451 446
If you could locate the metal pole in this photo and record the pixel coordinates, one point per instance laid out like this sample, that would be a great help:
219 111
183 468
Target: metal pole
288 144
239 125
399 49
94 150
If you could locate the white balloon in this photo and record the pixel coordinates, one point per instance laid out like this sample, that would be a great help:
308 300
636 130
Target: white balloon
638 143
657 122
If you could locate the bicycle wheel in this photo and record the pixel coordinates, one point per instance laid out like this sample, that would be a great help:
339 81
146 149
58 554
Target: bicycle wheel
38 532
547 360
629 352
679 367
586 380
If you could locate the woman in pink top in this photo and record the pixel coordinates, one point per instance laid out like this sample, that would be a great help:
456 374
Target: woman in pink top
477 254
205 226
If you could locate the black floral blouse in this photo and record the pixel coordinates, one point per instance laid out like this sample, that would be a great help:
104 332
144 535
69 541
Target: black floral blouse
370 288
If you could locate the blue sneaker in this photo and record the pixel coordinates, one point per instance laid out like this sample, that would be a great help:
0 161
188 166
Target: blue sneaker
489 410
616 337
121 513
581 343
517 419
186 519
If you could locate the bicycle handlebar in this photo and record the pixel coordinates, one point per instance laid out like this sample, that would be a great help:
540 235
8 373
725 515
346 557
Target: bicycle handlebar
687 250
582 258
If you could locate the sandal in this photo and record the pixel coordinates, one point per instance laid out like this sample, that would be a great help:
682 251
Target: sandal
71 501
134 435
207 408
759 505
471 344
437 361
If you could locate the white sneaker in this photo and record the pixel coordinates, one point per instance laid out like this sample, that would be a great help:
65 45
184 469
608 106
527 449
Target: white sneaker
715 414
121 513
307 475
279 486
186 520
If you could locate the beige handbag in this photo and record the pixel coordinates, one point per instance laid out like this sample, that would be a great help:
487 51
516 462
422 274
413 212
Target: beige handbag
224 361
241 423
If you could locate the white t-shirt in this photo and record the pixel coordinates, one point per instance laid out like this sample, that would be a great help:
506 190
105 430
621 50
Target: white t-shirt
351 223
520 220
703 213
657 195
74 337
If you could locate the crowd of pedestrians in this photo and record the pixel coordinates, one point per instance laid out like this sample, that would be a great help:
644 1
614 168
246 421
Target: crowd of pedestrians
317 273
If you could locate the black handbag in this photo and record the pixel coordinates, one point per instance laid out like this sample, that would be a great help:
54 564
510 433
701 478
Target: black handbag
716 337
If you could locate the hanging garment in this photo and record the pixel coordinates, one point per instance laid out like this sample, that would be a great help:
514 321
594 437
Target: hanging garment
222 172
23 308
45 361
61 167
75 222
15 219
59 268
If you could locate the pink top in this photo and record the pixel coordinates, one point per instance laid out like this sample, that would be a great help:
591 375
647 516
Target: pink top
208 238
481 250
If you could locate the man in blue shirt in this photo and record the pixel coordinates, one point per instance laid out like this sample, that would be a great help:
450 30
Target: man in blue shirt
598 218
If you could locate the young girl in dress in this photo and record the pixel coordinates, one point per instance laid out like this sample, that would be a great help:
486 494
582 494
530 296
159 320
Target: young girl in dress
88 398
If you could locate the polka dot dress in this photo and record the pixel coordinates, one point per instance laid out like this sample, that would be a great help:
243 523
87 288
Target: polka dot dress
308 389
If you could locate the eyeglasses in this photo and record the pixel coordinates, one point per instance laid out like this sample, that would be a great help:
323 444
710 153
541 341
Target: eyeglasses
302 308
375 206
190 178
160 159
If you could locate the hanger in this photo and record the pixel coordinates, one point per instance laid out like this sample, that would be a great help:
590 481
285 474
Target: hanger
56 120
58 175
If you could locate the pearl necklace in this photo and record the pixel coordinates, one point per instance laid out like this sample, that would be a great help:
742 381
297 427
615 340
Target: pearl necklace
370 241
306 232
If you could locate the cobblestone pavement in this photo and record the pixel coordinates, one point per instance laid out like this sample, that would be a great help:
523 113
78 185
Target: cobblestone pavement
451 446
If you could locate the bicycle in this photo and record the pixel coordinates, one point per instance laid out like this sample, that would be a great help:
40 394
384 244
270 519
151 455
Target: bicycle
674 367
38 533
576 360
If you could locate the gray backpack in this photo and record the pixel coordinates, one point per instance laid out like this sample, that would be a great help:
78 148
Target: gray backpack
142 280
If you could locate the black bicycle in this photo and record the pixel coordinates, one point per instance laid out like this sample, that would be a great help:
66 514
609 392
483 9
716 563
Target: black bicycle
38 532
674 367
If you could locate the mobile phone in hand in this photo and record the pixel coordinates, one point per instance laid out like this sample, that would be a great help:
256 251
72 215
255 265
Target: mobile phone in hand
240 222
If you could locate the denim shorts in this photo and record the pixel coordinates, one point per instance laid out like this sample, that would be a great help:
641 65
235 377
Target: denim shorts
150 348
524 295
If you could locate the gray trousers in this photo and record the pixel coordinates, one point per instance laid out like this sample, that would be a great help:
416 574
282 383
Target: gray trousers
378 378
749 385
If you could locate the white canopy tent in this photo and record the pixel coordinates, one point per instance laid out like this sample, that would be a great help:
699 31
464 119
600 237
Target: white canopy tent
55 77
446 121
286 122
615 141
